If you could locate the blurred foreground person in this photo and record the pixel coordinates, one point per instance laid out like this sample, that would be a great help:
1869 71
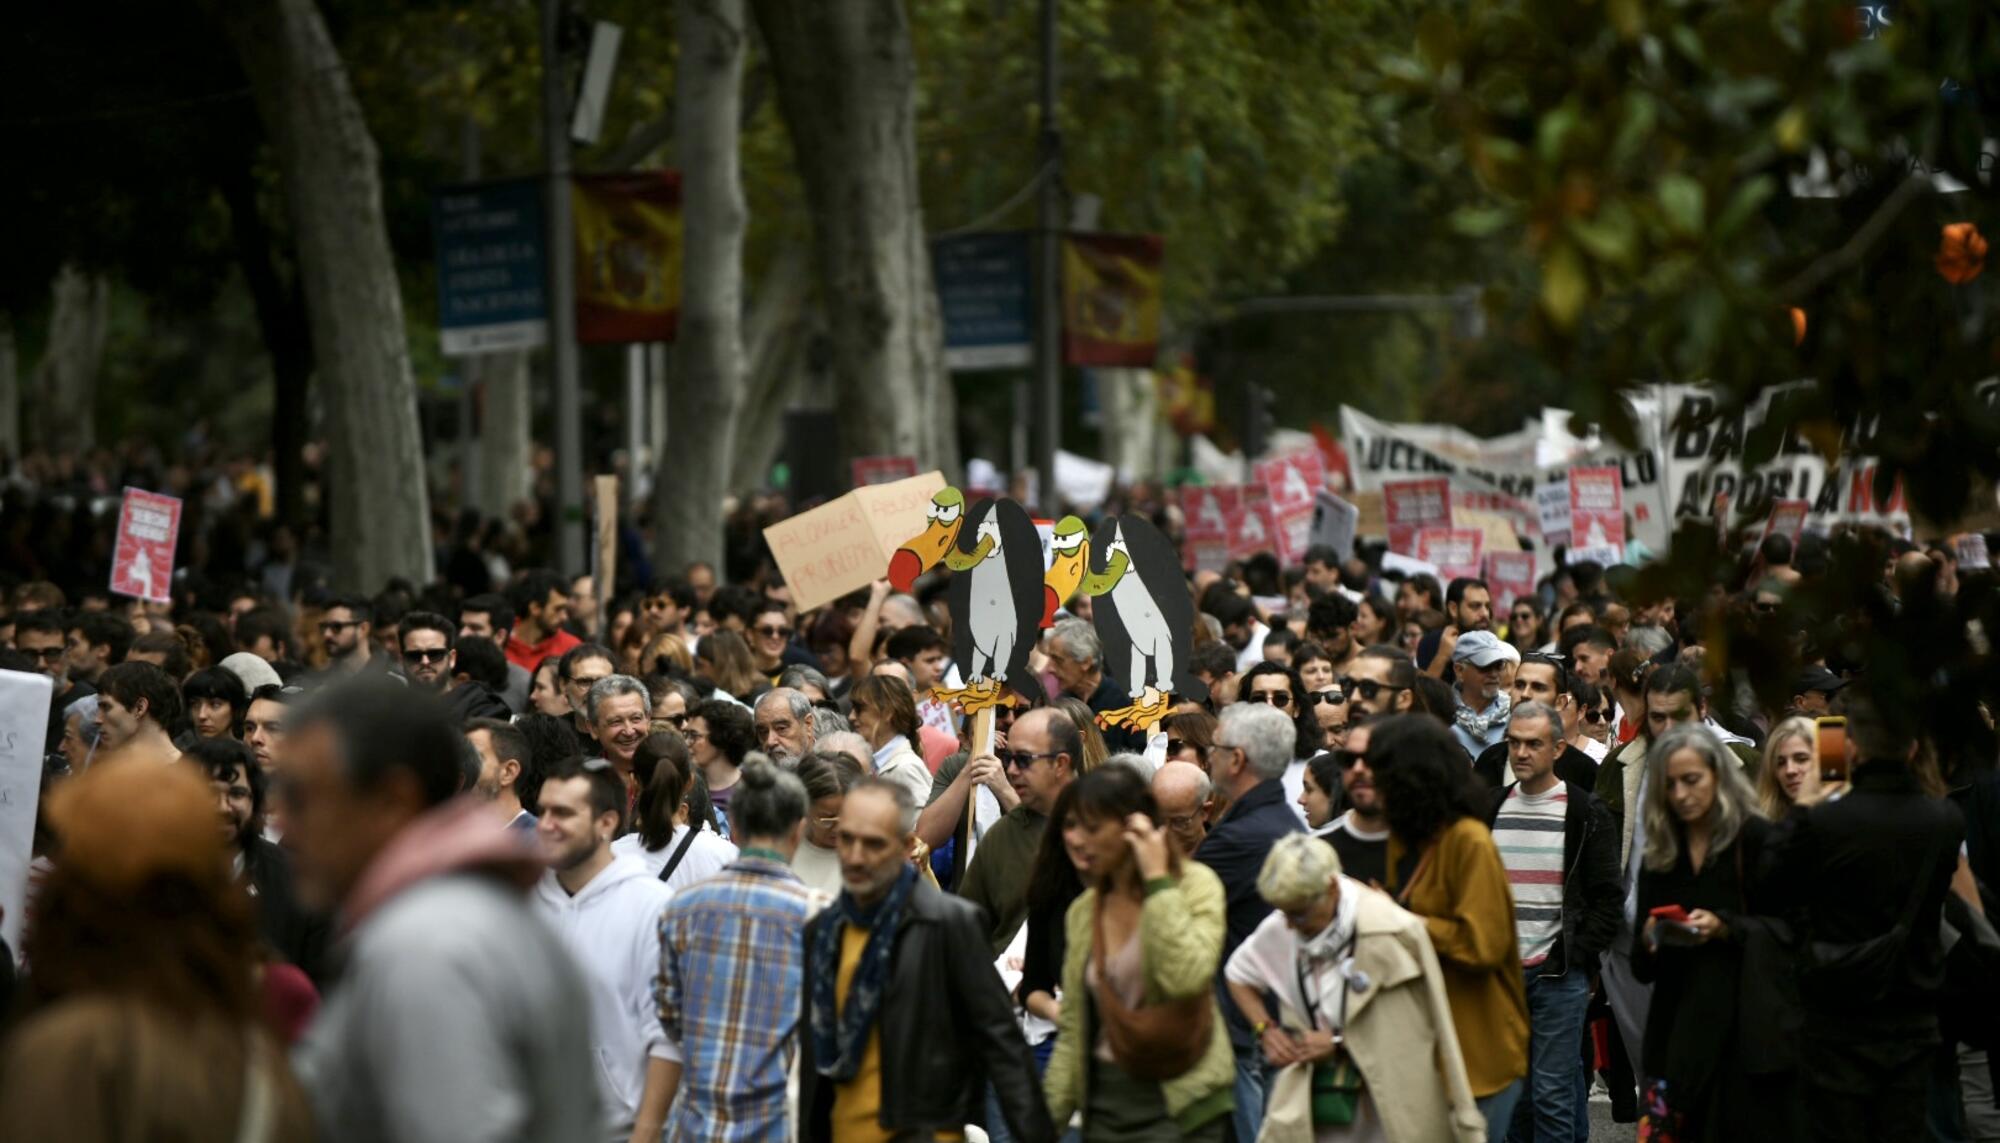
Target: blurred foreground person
459 1015
143 1010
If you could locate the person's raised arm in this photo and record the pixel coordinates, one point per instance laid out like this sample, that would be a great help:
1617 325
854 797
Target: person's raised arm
861 648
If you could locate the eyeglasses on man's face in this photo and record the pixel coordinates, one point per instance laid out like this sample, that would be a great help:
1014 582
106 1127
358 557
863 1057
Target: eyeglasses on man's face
1368 689
1274 698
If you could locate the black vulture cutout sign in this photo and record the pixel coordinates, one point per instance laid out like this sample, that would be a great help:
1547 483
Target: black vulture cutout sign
1144 620
996 596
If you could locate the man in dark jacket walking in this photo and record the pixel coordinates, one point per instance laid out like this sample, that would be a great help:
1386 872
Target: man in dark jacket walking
1867 867
1561 854
1252 748
905 1021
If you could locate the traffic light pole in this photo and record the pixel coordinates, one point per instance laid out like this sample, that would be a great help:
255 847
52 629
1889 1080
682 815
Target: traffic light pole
1048 293
563 364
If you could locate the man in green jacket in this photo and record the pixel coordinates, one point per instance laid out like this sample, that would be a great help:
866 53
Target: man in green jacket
1040 759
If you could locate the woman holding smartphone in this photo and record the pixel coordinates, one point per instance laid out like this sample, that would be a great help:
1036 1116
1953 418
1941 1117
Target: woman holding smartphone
1711 1054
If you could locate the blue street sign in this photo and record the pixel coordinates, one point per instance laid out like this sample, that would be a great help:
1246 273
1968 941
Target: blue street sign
491 267
983 291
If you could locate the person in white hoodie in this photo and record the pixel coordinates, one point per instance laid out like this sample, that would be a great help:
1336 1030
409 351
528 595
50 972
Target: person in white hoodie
606 910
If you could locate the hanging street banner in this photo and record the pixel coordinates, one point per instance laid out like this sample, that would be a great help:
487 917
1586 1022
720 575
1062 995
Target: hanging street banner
491 270
628 256
142 559
985 296
1111 299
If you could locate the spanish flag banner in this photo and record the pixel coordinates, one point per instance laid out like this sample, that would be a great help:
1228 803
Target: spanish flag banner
1111 299
628 256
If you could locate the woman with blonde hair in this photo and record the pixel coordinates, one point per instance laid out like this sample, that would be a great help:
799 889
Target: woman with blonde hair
726 659
668 646
1363 1034
144 1017
1791 766
1714 1069
1094 748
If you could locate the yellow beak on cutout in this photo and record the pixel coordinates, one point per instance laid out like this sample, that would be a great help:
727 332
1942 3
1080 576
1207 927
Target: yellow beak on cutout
922 552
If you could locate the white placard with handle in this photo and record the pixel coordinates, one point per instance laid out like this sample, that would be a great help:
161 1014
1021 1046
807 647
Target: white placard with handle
24 721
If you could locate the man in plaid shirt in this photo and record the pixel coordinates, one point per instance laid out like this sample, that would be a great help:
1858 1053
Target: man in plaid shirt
731 963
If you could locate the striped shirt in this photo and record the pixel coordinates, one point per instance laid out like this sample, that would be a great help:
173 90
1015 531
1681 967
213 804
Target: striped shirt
1529 834
732 954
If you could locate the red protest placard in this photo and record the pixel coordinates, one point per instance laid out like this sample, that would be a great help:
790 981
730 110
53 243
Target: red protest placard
1291 480
869 470
142 564
1510 575
1455 551
1204 511
1252 529
1294 532
1409 506
1597 514
1788 518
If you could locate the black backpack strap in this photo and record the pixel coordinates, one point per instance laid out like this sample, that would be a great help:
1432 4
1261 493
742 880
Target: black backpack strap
680 851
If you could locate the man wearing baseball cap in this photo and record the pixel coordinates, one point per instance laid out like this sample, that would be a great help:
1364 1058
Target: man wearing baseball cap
1479 661
1813 691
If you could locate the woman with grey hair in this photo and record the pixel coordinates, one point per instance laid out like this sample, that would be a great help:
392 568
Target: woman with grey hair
1363 1033
1712 1071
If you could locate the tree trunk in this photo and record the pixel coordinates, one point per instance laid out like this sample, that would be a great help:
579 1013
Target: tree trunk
380 510
505 441
281 318
10 397
775 334
66 378
846 83
708 367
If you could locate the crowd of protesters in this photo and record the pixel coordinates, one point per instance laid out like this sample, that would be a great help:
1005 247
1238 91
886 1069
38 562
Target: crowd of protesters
499 860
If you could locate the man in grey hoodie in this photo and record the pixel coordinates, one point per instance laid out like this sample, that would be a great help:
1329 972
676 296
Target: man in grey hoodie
459 1016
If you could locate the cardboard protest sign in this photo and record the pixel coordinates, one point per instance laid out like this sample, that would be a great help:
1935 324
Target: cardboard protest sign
1596 515
142 563
24 721
1455 551
1510 575
840 546
1144 619
1252 529
1333 523
1788 519
1291 480
872 470
1413 505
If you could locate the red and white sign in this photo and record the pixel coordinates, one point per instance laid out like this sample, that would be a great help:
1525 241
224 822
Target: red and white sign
1409 506
1510 575
1788 518
142 564
1455 551
1205 511
869 470
1290 480
1252 529
1597 514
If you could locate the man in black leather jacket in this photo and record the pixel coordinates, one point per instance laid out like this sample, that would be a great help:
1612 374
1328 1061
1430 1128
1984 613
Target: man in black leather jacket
942 1026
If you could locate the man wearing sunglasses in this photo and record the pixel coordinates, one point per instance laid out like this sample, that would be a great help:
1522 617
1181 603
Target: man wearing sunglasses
429 656
39 635
1381 681
1040 761
348 627
1479 660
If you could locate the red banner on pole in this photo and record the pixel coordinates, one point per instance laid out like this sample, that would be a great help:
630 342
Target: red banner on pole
142 563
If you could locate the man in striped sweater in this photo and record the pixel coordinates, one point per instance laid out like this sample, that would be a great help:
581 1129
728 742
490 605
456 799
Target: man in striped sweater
1561 854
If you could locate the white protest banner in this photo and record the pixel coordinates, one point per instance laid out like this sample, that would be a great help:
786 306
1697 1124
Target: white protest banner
828 551
142 563
1413 505
1407 566
1552 508
24 721
1382 451
1083 482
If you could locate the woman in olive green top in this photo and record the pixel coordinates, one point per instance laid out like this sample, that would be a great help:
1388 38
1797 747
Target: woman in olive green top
1161 919
1433 802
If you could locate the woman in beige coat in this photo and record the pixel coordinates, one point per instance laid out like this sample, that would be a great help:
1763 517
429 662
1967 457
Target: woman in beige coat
1354 974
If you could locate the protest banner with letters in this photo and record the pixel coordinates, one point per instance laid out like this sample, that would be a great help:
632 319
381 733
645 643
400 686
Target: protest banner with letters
1552 508
843 545
1787 519
1411 506
1291 480
1252 529
1510 576
1597 513
142 562
1455 551
24 721
1205 512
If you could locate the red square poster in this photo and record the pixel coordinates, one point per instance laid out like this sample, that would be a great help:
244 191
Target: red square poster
1410 506
1510 575
1455 551
142 563
1291 480
1596 514
1252 529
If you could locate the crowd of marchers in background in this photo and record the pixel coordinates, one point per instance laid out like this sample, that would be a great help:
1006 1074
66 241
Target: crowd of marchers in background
433 863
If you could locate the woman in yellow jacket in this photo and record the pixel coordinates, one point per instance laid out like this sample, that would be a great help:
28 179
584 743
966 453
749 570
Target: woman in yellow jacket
1433 802
1160 920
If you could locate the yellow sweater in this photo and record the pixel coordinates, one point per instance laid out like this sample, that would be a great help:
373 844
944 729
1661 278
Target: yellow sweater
1460 890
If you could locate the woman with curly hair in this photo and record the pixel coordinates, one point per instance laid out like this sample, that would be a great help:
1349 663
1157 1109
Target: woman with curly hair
1436 805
